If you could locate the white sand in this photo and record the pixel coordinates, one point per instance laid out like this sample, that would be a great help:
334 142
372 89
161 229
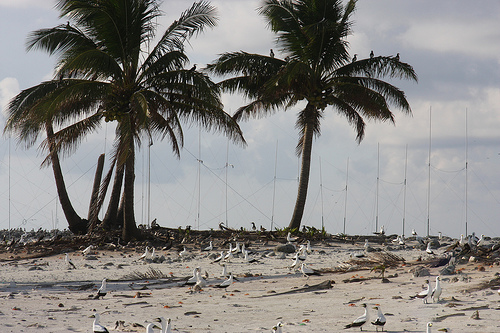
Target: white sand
39 295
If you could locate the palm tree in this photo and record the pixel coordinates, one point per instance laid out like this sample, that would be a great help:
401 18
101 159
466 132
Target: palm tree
104 73
317 72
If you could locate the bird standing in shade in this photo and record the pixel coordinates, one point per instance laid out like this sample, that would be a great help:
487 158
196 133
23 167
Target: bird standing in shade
436 292
68 261
226 283
380 320
425 293
101 292
361 320
96 327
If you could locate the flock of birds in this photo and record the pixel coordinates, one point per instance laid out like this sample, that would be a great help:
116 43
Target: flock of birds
166 325
198 281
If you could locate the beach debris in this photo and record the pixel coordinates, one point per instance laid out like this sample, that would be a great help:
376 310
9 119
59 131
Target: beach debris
285 248
380 320
320 286
475 315
361 320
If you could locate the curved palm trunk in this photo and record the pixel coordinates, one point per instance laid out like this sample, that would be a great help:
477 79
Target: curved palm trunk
76 224
305 169
130 229
110 219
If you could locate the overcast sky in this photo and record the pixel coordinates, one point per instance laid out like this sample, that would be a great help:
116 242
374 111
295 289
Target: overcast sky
454 47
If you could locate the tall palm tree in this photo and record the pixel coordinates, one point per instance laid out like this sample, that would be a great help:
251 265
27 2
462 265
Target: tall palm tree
104 72
317 74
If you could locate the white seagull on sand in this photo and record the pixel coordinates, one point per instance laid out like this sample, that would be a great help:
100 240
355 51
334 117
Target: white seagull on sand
219 258
192 279
145 254
149 328
224 271
428 249
101 292
87 250
226 283
436 292
68 261
380 320
166 326
229 254
200 281
183 253
361 320
426 292
278 328
289 238
96 327
295 263
248 259
209 247
307 271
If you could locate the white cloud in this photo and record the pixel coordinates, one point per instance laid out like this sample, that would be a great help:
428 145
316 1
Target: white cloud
9 87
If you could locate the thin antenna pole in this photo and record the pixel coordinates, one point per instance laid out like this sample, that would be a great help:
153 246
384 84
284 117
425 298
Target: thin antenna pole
274 184
321 192
199 179
9 187
466 171
404 191
345 201
378 181
227 167
149 180
429 175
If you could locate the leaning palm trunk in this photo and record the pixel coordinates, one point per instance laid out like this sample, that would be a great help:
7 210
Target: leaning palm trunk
305 170
110 218
76 224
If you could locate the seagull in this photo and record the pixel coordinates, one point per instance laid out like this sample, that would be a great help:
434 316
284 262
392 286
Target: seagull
219 258
428 249
209 247
462 241
306 271
98 328
368 248
87 250
420 239
372 54
145 254
425 293
413 232
295 263
229 254
429 325
271 53
380 321
226 283
397 57
166 326
361 320
224 271
248 259
436 292
101 292
253 226
200 282
237 249
289 238
308 247
193 68
481 240
149 328
192 280
153 255
68 261
355 58
277 328
183 253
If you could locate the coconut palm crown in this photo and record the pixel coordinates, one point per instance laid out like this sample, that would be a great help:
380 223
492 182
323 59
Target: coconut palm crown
108 69
316 74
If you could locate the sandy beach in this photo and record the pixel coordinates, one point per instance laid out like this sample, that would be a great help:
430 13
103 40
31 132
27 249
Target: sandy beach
46 294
